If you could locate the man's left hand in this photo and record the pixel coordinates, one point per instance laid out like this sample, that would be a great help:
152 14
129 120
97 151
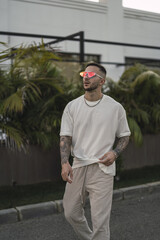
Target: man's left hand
108 158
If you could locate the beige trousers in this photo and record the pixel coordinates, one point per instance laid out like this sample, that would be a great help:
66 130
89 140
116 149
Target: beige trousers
93 181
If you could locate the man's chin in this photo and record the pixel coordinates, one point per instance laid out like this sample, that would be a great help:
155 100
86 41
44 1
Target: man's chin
89 89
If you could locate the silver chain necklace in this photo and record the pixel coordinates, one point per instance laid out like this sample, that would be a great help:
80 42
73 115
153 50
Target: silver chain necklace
93 105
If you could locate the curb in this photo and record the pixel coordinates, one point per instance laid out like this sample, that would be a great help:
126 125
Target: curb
21 213
136 191
36 210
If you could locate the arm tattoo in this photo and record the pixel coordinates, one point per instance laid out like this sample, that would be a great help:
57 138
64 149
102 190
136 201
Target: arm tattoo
121 145
65 148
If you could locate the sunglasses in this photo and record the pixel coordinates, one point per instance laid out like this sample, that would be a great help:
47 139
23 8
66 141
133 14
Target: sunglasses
89 74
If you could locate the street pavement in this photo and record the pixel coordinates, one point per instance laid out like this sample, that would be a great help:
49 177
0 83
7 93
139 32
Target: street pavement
131 219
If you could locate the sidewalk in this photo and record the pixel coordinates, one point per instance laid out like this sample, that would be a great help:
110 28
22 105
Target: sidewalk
21 213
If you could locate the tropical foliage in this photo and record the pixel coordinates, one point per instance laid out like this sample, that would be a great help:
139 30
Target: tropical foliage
32 97
138 90
34 92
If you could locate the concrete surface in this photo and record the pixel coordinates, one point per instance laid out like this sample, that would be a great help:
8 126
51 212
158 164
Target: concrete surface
48 208
8 216
131 219
36 210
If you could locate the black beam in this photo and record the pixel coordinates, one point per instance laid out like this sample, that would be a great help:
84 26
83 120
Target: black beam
74 39
30 35
122 44
118 64
69 37
81 59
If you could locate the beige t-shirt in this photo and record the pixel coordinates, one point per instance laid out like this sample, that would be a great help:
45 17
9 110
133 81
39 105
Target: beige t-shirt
93 130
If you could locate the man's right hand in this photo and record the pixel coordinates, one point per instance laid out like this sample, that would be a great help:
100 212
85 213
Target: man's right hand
67 172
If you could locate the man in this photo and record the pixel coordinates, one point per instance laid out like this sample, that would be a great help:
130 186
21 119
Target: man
89 127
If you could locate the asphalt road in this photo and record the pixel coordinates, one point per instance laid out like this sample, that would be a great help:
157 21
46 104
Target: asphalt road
131 219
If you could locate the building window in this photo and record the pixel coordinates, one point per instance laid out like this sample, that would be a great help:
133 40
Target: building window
74 57
151 63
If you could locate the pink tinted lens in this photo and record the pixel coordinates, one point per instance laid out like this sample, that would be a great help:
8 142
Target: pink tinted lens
89 74
81 74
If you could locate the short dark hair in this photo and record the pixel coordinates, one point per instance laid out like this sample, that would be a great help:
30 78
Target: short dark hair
101 68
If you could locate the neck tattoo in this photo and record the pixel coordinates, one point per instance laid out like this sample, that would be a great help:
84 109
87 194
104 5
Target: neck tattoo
93 105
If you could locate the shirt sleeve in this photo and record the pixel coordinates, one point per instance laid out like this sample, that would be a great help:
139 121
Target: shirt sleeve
66 123
123 128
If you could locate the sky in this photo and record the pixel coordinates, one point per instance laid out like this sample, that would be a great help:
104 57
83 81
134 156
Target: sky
145 5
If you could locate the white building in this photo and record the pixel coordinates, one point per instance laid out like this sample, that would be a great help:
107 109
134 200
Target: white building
105 21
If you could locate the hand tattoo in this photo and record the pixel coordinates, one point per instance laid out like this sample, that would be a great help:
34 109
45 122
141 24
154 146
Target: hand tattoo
121 145
65 148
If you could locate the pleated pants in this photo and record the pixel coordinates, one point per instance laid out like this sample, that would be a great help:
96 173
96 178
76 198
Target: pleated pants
92 181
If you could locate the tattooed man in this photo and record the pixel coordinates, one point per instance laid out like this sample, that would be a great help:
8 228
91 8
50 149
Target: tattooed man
90 125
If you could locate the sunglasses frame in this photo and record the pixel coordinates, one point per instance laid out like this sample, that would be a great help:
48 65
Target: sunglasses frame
92 76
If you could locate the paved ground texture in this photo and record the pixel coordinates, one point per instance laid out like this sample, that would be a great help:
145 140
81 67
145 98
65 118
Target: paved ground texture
131 219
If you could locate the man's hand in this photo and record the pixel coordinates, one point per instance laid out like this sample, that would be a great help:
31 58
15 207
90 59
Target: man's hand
111 156
108 158
67 172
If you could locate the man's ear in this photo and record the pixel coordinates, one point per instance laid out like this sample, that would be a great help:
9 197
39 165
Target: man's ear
102 81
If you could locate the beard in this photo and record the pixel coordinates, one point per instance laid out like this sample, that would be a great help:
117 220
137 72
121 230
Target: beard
93 87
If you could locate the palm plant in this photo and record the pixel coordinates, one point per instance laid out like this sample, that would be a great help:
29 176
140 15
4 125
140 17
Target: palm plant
146 92
138 90
31 97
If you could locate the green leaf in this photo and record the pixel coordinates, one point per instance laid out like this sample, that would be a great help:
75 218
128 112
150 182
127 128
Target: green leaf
13 103
14 136
136 133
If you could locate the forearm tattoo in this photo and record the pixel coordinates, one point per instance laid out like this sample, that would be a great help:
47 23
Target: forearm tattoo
65 148
121 145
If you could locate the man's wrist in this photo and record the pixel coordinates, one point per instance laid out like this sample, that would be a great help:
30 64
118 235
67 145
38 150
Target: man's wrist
115 153
64 163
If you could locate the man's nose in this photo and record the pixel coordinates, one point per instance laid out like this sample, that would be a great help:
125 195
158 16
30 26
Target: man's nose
86 76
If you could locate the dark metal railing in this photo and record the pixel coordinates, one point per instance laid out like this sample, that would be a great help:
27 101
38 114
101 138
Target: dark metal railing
79 36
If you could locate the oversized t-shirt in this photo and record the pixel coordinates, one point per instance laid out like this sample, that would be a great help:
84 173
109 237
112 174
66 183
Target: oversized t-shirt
93 130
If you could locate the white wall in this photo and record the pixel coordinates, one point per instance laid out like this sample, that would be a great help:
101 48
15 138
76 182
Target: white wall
142 28
106 20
